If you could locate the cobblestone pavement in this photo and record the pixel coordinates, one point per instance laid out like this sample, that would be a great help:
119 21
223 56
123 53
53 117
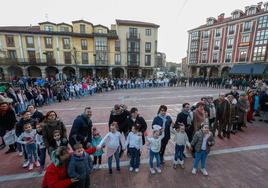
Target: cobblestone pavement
238 162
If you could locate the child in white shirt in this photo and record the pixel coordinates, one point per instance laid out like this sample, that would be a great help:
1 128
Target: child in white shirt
155 145
134 140
113 140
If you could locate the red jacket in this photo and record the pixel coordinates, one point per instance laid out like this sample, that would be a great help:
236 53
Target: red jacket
57 177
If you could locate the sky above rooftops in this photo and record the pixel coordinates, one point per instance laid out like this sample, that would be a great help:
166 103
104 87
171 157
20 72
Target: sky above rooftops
175 17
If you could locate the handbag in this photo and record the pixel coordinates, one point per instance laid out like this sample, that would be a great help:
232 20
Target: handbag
10 137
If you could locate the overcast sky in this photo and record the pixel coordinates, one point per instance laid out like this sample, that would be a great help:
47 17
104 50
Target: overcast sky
175 17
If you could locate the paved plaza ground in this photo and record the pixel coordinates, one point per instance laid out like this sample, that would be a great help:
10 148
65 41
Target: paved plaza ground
238 162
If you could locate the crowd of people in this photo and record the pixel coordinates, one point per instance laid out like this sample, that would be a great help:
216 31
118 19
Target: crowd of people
33 134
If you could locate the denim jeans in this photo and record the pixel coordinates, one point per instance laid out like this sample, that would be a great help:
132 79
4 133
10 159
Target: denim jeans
202 155
155 155
179 149
31 151
117 160
134 157
42 156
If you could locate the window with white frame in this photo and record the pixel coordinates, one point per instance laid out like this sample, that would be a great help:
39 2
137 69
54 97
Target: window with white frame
48 28
245 38
247 26
117 59
251 10
148 32
259 53
263 22
228 56
218 32
243 53
230 42
261 37
215 57
206 34
231 29
195 35
217 44
205 45
236 15
204 57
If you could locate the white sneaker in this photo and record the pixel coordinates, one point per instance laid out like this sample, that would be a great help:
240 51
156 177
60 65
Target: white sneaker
158 170
20 154
204 172
100 166
130 169
194 171
137 170
94 166
152 171
97 166
26 164
31 165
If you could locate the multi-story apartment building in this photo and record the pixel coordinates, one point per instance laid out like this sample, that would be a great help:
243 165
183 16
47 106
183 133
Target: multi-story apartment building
236 44
137 45
79 49
161 61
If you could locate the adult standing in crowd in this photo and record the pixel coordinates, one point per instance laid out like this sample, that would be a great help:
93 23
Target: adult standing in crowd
222 111
186 117
251 106
164 121
242 109
7 121
199 116
119 114
49 125
264 104
211 115
56 175
136 119
81 131
35 114
234 93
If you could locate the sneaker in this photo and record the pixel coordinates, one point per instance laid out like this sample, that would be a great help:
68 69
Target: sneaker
37 164
152 171
182 166
20 154
31 166
94 166
204 172
130 169
25 164
97 166
100 166
174 166
137 170
194 171
158 170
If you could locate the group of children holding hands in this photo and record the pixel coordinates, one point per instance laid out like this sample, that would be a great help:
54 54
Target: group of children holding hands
81 163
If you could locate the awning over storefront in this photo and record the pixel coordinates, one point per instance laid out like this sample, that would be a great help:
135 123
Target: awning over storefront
249 69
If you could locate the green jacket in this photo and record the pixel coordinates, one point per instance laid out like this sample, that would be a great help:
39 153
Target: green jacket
198 140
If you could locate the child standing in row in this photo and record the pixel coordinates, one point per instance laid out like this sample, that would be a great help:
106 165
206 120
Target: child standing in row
134 140
98 154
154 148
41 147
181 140
113 140
28 139
58 141
80 166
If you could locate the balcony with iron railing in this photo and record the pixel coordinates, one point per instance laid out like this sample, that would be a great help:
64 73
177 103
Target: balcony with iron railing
133 36
133 63
216 47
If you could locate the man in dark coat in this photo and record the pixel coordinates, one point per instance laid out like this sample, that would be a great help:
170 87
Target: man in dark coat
185 117
119 114
35 114
135 119
234 93
264 104
7 121
81 131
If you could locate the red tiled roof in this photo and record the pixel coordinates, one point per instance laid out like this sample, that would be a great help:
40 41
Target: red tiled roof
136 23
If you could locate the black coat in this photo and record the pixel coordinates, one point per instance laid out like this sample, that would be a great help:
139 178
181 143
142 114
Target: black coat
81 131
38 116
139 121
120 119
7 122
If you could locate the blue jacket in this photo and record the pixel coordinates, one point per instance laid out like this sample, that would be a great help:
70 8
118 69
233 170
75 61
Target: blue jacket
95 142
80 167
158 121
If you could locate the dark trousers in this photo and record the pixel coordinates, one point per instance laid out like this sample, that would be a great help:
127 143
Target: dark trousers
42 156
164 143
134 157
212 126
179 149
83 183
97 159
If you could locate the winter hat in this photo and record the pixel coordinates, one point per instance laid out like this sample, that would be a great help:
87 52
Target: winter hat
156 128
5 100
